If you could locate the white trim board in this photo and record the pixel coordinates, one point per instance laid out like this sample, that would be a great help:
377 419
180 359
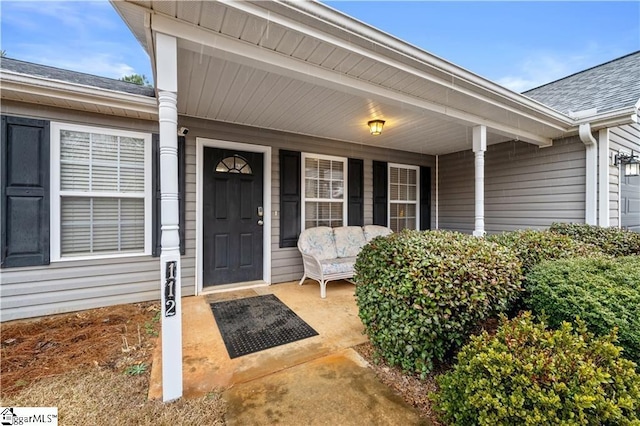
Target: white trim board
201 143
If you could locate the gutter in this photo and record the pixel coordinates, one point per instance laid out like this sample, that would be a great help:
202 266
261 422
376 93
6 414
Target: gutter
138 105
591 184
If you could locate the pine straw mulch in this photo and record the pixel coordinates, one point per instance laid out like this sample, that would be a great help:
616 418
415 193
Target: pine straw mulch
94 366
412 389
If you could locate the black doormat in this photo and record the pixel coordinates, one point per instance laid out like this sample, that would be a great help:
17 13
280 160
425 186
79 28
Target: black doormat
257 323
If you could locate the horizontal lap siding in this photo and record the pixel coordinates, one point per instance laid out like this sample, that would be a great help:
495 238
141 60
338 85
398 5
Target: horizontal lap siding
525 186
628 138
76 285
286 263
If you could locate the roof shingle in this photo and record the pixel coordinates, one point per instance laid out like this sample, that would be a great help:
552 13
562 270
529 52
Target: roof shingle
607 87
53 73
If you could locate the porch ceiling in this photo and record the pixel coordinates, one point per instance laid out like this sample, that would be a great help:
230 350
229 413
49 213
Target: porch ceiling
284 66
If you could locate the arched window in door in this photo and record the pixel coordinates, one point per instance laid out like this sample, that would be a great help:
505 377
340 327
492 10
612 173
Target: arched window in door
234 164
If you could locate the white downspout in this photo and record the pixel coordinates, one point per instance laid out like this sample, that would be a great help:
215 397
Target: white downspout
603 201
590 215
437 191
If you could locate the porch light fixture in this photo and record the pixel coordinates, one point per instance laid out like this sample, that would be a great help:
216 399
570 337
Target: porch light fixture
375 126
630 162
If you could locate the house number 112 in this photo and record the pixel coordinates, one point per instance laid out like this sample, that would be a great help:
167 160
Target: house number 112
170 289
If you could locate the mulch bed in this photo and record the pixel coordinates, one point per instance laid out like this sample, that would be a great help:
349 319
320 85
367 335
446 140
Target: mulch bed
113 338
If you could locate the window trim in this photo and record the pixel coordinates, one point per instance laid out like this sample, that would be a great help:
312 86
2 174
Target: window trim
416 202
55 216
303 192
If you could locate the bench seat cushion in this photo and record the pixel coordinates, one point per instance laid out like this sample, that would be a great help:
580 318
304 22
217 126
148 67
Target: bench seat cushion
338 266
372 231
318 242
349 240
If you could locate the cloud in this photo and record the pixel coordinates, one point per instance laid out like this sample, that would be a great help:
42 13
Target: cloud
542 67
97 64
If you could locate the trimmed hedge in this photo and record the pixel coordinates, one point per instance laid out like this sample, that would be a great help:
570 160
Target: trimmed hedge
605 293
419 294
528 375
613 241
532 247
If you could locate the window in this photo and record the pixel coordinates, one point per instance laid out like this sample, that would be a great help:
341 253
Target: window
101 192
234 164
323 182
403 197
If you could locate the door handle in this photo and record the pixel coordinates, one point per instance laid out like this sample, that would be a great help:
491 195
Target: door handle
260 222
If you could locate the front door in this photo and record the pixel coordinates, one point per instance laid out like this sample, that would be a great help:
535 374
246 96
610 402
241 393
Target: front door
232 216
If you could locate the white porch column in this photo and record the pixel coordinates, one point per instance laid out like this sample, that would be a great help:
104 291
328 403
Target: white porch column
603 154
167 66
479 147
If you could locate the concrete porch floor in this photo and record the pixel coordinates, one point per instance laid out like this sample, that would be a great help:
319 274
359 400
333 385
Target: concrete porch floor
319 380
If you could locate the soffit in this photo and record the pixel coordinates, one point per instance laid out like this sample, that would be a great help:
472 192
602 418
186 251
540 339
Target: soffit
433 112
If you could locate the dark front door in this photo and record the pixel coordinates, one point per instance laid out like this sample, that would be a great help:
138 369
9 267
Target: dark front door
232 216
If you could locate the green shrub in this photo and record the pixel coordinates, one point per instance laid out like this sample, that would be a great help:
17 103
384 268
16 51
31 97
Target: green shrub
613 241
603 292
420 293
528 375
532 247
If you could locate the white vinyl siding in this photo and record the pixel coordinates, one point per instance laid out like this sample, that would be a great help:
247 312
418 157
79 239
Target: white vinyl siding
101 204
324 187
403 197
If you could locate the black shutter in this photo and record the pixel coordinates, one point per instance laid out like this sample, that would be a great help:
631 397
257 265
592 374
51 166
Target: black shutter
157 203
380 193
355 208
290 198
25 192
425 198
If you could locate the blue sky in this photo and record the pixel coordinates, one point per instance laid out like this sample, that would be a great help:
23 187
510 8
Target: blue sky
517 44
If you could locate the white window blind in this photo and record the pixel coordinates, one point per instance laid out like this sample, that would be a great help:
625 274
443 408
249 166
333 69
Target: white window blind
403 197
102 193
324 191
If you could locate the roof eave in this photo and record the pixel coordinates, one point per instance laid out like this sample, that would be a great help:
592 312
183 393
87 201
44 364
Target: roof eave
610 119
133 105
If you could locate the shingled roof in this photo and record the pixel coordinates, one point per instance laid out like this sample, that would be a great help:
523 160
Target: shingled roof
607 87
53 73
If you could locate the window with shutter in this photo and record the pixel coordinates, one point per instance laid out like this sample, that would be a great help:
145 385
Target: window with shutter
101 196
324 190
403 197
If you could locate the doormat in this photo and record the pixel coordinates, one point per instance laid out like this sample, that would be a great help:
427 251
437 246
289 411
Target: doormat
257 323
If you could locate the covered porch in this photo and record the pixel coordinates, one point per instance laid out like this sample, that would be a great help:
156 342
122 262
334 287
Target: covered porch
274 100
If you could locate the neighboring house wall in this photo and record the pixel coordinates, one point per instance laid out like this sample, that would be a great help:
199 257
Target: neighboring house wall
75 285
625 138
286 263
525 186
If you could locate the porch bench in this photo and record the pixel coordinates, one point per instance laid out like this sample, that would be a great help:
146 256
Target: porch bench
329 254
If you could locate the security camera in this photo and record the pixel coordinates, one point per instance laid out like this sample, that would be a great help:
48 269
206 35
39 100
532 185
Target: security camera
182 131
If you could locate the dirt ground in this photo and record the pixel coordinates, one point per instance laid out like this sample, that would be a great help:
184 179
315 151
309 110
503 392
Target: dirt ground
94 366
114 338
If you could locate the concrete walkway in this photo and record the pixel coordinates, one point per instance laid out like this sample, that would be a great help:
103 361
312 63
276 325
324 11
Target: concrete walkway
319 380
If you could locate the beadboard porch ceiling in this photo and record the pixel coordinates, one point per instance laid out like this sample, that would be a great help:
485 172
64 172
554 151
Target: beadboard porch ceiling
305 68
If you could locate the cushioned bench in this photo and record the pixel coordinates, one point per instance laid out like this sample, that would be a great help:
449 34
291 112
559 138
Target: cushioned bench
329 254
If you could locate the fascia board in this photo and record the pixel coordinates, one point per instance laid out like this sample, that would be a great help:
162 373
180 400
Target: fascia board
201 40
39 86
352 27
